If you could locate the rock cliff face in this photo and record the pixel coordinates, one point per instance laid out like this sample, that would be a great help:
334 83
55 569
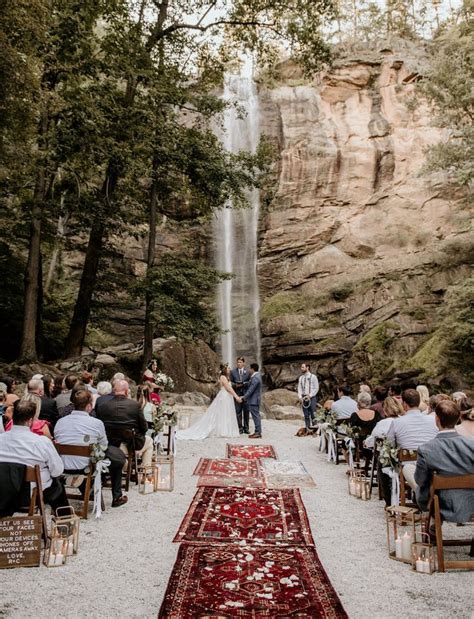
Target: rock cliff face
356 248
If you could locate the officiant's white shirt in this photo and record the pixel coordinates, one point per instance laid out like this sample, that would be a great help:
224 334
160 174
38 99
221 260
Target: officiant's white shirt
308 385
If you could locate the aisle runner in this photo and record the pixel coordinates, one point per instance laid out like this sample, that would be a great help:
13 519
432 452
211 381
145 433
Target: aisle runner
232 514
250 452
273 571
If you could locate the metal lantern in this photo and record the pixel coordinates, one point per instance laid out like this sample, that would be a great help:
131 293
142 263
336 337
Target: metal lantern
354 481
184 420
423 556
402 526
147 479
56 553
165 470
365 488
66 516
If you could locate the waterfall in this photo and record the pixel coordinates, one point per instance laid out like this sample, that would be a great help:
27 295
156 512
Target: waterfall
235 234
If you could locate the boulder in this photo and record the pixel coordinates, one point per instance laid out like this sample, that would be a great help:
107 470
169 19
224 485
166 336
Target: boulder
188 398
280 397
285 413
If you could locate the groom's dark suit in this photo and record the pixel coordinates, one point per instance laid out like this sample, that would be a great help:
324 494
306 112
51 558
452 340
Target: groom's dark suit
241 377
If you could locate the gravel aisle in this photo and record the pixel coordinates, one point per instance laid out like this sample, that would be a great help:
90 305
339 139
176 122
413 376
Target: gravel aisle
125 559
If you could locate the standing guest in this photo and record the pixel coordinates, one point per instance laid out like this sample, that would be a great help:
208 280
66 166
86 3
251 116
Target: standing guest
64 398
252 398
104 393
22 446
424 398
365 418
88 381
239 379
466 424
345 405
380 394
391 409
121 413
447 454
57 386
412 430
308 387
434 400
79 428
395 391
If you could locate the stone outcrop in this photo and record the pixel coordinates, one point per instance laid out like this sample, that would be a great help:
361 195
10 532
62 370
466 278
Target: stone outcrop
357 248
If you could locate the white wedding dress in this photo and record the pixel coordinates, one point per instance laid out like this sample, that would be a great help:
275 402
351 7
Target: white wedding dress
219 420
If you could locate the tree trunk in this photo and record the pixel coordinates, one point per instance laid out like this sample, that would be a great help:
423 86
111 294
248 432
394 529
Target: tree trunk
82 308
58 247
149 298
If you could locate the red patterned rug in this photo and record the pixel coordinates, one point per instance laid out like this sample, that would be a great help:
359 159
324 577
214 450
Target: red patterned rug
250 452
228 468
257 582
233 514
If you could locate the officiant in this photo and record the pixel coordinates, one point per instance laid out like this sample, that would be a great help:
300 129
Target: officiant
239 378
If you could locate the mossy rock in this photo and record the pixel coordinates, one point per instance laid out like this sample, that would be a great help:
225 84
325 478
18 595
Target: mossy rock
341 293
282 303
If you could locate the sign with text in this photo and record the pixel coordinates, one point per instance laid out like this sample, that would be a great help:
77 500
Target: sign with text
20 541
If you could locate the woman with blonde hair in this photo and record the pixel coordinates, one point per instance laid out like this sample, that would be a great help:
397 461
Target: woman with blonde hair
424 398
392 409
39 426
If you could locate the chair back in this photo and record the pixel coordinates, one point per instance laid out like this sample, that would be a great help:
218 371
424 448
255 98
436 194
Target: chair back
407 455
452 482
73 450
31 473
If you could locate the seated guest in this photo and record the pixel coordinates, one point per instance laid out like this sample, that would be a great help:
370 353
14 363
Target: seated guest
424 398
57 386
365 418
79 428
365 389
121 413
466 425
434 400
22 446
49 409
148 408
395 391
3 404
458 397
104 393
328 405
412 430
447 454
64 398
88 381
38 426
380 393
345 405
12 397
67 410
391 409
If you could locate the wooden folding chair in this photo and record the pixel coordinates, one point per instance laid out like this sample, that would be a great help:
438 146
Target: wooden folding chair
439 483
85 452
405 455
374 473
33 475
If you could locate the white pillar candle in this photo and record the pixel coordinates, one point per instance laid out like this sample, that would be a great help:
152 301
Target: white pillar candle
148 487
70 547
406 546
55 559
423 565
398 548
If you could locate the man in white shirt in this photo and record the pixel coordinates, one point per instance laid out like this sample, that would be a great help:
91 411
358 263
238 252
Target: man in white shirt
412 430
345 406
308 388
79 428
22 446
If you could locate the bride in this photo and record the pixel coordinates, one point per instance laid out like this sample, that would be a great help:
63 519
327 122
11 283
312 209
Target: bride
220 419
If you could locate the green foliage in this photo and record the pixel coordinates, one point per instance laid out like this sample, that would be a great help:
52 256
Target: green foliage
285 302
374 346
342 292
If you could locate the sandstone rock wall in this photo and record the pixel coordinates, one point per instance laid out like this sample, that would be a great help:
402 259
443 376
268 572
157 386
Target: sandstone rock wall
356 248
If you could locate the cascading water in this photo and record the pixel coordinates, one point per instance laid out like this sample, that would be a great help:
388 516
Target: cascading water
235 234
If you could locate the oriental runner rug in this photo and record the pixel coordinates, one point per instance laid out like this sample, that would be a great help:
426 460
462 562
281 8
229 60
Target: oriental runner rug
230 472
257 582
233 514
286 474
250 451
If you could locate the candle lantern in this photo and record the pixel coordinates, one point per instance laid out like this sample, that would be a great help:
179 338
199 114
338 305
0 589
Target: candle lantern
66 516
423 556
147 479
365 488
354 481
184 420
402 526
56 552
165 471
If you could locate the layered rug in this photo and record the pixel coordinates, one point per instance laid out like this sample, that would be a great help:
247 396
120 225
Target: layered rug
286 474
233 514
230 472
250 452
240 580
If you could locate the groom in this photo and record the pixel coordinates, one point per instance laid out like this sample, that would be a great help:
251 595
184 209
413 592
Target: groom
252 398
239 378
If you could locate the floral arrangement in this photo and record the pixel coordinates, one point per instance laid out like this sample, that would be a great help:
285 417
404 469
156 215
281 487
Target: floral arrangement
331 419
388 455
164 381
320 414
352 432
97 454
163 416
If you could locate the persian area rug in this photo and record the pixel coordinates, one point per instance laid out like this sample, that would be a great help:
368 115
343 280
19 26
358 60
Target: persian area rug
233 514
249 452
239 580
286 474
226 472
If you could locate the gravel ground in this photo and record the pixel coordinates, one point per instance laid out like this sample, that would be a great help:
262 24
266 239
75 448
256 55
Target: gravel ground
125 558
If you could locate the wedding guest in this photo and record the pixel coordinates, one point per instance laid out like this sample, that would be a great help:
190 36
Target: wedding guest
447 454
79 428
424 398
434 400
12 397
88 380
57 386
104 393
67 410
395 391
328 405
48 409
365 389
122 413
64 398
391 409
411 430
308 388
365 418
380 394
146 405
345 405
3 404
22 446
458 396
465 426
38 426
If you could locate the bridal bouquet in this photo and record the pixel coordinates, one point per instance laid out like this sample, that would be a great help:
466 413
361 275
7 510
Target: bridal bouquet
164 381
